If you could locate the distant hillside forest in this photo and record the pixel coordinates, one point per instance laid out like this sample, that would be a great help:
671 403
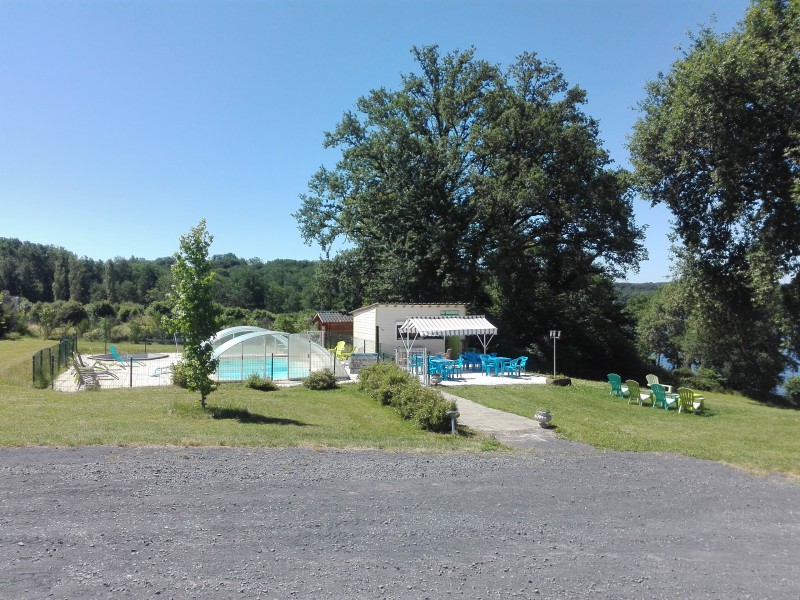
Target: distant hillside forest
43 273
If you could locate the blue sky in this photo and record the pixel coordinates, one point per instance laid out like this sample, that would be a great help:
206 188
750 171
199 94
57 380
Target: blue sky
123 123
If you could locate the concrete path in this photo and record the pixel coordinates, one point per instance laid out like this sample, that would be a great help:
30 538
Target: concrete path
514 430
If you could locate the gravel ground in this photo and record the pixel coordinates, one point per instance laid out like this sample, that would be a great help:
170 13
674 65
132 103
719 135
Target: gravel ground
558 520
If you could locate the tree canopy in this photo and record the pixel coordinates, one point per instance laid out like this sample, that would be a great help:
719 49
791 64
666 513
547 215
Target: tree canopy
44 273
474 184
718 142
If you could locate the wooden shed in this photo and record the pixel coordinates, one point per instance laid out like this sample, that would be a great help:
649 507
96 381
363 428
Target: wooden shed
335 326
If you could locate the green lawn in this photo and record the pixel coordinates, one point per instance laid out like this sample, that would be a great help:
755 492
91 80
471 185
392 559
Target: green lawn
15 359
236 415
733 429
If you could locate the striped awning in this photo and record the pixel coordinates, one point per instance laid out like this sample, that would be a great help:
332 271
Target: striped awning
428 326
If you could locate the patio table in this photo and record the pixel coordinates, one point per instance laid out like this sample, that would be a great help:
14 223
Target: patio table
441 365
500 364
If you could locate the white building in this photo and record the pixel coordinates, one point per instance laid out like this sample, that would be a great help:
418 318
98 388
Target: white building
375 327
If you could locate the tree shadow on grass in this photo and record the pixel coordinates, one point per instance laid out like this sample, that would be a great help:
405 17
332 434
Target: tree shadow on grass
245 416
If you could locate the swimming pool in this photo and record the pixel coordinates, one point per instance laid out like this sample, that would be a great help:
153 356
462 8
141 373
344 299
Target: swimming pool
237 368
243 351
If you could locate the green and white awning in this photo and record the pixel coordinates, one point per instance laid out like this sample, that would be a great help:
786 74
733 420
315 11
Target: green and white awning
477 325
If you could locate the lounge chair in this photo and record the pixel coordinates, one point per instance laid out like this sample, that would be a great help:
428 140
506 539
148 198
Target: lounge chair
651 379
340 352
89 377
617 387
688 401
102 370
159 371
122 359
660 397
634 392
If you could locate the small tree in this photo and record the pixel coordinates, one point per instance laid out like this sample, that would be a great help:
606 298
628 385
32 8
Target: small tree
193 310
47 321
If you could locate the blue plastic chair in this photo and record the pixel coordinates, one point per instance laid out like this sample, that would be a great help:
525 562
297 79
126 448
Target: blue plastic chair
518 365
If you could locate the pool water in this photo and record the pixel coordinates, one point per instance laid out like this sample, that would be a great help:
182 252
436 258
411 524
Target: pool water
273 367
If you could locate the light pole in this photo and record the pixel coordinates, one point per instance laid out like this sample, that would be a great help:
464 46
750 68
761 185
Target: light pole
554 335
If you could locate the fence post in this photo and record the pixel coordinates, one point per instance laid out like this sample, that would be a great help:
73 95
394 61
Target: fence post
130 370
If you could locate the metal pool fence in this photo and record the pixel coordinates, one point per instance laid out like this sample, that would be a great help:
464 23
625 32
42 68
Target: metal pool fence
48 363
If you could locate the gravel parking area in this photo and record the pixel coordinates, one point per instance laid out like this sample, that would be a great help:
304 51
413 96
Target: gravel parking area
557 520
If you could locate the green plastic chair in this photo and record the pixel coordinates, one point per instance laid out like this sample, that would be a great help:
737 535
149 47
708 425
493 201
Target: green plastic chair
688 401
651 379
660 398
634 391
617 389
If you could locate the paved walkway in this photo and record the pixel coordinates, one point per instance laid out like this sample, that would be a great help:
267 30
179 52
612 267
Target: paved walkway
514 430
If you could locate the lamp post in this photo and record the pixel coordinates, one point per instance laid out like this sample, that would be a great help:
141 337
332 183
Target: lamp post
554 335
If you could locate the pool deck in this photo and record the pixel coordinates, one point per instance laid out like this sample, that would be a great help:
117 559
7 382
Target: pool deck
145 373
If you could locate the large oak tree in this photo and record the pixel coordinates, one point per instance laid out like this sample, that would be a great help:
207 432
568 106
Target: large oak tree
469 183
719 144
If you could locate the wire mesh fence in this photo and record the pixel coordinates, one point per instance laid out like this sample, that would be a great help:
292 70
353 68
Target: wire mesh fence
301 355
48 363
107 372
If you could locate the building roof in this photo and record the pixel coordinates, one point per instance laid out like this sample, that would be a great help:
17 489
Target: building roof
452 305
468 325
330 316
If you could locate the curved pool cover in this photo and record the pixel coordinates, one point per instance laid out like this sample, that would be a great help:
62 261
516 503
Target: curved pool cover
246 350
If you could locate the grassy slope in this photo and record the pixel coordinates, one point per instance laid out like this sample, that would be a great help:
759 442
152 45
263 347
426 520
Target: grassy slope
733 429
237 416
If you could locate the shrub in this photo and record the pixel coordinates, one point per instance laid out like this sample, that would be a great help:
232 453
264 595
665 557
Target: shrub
128 311
180 375
102 309
384 380
792 387
431 410
262 384
701 379
71 313
120 333
390 385
321 380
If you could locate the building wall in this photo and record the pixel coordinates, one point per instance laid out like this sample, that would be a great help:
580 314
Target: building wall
387 317
364 329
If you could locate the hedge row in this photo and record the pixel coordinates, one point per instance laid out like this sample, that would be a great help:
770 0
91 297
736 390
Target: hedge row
391 386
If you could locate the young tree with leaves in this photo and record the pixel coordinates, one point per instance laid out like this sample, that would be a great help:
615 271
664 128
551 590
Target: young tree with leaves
719 144
194 313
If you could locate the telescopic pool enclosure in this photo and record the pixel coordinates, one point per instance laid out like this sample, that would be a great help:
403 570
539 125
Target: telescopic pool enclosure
246 350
